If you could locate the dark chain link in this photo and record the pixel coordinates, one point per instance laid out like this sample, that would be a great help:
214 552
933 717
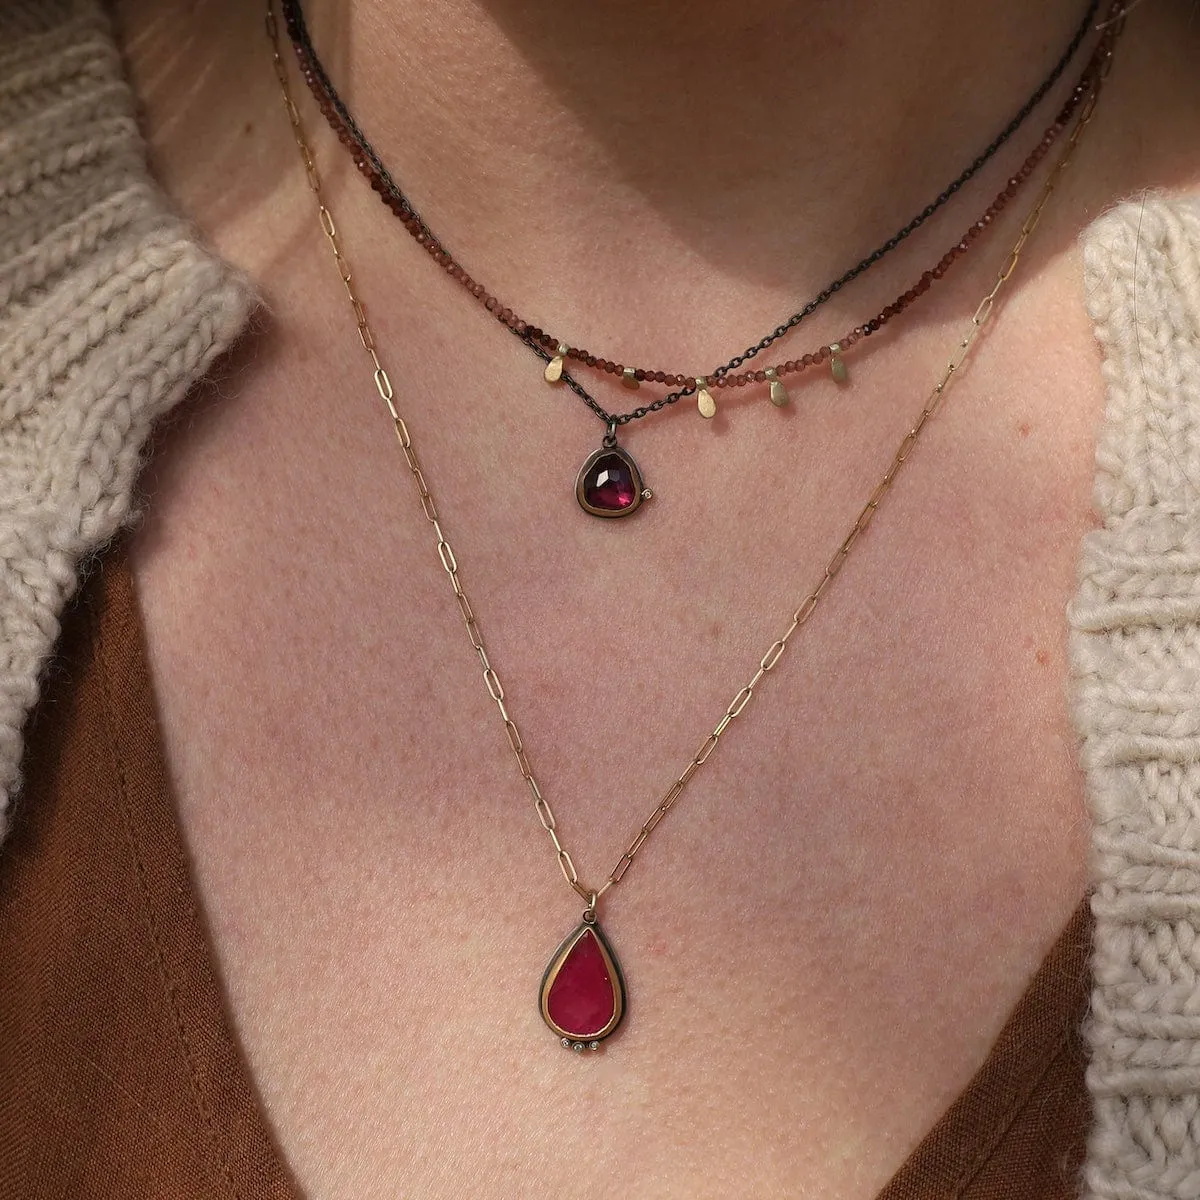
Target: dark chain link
298 32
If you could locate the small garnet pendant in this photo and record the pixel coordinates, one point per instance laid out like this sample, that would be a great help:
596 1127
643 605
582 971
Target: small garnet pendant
583 995
609 483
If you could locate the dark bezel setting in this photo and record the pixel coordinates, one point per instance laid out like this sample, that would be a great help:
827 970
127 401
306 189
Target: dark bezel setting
568 1037
641 493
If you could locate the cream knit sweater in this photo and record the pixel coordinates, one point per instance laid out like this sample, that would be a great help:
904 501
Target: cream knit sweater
110 310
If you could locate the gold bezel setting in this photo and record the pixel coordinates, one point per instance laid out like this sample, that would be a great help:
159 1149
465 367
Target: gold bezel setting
570 1039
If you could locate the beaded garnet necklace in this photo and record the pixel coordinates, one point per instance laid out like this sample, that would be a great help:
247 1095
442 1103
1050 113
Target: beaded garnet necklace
610 483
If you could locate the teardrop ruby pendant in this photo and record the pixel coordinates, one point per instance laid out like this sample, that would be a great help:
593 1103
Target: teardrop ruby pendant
609 482
582 996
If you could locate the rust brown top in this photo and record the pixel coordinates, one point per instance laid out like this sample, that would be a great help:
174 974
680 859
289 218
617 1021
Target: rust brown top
120 1078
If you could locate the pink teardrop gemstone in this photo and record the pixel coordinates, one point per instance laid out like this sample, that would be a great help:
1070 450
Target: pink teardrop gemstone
610 484
583 995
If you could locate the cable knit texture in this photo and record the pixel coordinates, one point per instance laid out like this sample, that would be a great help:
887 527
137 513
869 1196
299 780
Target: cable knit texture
1135 655
109 311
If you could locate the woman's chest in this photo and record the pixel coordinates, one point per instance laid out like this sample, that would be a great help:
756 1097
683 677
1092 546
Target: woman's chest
840 909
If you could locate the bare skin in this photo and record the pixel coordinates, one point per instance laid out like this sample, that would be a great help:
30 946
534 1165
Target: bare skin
825 937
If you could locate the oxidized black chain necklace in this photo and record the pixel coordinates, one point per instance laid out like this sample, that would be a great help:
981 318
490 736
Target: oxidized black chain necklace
610 483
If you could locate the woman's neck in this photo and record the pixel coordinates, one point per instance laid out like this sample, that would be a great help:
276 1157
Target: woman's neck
755 136
652 179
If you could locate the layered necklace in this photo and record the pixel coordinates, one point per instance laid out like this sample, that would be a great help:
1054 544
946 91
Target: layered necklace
582 996
610 483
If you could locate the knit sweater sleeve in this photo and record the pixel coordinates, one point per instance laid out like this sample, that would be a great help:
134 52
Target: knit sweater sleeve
110 309
1135 652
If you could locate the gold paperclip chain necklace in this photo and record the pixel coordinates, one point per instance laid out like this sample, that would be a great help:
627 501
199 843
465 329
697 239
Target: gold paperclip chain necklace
582 995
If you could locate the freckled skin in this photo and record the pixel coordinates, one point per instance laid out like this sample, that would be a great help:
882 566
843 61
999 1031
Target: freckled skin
852 894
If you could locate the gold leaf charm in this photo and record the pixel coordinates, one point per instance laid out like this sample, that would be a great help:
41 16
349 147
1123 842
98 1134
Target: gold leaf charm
704 400
554 368
779 396
837 364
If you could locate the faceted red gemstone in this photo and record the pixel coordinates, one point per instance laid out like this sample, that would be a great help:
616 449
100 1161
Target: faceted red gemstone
582 998
610 483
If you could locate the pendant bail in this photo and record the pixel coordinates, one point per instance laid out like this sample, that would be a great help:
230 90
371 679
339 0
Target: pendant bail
589 913
610 435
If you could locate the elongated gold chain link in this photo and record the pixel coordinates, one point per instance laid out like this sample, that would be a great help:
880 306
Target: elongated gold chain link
800 616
